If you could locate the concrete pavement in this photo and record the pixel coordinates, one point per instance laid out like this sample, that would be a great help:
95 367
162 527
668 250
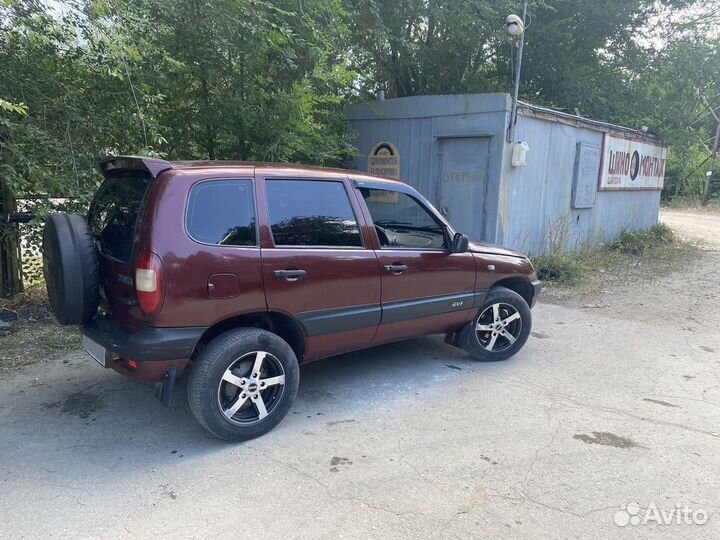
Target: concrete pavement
609 414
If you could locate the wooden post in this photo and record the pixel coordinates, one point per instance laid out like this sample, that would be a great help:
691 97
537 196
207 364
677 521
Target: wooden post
711 179
10 262
710 185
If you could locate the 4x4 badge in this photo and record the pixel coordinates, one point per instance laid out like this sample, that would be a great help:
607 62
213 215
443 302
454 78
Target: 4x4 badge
458 303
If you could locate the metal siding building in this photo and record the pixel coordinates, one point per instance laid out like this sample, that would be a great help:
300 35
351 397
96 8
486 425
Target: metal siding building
452 149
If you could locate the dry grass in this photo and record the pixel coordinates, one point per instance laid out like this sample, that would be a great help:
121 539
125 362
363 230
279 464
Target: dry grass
562 261
36 335
694 204
634 257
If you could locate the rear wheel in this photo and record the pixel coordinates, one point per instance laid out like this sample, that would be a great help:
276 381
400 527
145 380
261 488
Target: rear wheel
501 327
243 384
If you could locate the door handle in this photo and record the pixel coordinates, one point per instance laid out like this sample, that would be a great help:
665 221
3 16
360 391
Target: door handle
395 268
290 275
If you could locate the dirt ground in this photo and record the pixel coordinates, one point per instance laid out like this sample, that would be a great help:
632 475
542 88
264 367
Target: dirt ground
604 426
699 225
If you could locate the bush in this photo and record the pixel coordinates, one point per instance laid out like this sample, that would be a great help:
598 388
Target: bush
635 243
560 267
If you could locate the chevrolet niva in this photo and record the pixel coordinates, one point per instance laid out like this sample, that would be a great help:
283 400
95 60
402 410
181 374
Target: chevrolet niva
240 272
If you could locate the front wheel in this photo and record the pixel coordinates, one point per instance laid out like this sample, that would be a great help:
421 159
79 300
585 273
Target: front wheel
243 383
501 327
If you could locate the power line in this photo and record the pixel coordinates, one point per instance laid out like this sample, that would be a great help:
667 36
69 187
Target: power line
707 109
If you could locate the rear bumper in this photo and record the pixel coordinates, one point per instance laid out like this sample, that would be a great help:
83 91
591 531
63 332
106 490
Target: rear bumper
537 289
148 345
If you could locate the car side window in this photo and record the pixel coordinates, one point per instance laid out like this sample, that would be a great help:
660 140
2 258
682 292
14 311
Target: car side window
311 213
222 212
401 221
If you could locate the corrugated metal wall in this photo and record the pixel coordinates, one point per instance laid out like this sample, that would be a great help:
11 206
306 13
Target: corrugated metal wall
419 125
412 136
535 202
519 207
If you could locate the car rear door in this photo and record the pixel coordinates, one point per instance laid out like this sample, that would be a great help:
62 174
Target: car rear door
316 262
425 287
113 219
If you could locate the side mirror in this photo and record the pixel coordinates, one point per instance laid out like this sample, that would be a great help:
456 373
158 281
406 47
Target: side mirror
460 243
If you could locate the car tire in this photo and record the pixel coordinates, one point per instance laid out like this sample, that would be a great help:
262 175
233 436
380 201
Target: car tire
500 328
70 267
234 399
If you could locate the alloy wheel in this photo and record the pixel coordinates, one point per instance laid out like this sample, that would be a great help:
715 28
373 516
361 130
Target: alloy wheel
498 327
251 387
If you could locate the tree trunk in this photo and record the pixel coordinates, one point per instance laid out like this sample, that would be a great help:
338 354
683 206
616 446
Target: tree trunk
209 127
10 275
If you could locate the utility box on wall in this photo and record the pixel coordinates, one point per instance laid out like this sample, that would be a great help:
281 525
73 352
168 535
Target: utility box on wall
585 178
453 150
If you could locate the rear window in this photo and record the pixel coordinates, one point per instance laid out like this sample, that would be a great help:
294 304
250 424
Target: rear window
114 213
222 213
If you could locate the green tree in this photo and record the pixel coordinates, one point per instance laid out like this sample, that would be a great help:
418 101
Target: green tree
676 99
413 47
233 79
242 79
633 62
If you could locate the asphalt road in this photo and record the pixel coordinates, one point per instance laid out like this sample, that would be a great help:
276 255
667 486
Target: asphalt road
609 408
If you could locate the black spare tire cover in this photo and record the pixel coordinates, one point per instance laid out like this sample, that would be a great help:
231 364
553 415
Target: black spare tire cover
70 266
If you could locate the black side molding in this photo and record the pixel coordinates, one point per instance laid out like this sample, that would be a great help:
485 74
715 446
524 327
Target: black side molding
330 321
320 323
426 307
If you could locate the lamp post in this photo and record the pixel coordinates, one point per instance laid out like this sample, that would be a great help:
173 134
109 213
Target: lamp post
516 28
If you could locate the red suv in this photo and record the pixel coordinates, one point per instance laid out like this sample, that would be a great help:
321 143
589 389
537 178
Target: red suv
243 271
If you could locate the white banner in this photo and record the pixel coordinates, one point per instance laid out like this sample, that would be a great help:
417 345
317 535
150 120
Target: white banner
630 164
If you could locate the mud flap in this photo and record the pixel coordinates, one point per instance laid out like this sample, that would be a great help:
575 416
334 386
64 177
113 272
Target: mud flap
164 388
460 338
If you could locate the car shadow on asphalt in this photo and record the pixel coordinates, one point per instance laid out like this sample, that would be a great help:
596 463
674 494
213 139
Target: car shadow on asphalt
98 415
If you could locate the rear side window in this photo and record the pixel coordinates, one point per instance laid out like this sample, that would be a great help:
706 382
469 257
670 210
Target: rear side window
114 213
222 212
311 213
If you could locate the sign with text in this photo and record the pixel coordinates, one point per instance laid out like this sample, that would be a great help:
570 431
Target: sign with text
384 160
631 164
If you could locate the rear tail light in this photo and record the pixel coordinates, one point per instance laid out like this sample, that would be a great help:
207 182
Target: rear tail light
149 282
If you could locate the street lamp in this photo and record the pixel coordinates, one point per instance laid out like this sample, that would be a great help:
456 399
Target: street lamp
516 28
514 25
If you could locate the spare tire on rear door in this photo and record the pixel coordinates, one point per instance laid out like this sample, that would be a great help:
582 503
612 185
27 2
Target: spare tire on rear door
70 266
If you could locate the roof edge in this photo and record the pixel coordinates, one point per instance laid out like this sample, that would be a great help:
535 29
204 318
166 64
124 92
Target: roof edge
528 109
425 106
